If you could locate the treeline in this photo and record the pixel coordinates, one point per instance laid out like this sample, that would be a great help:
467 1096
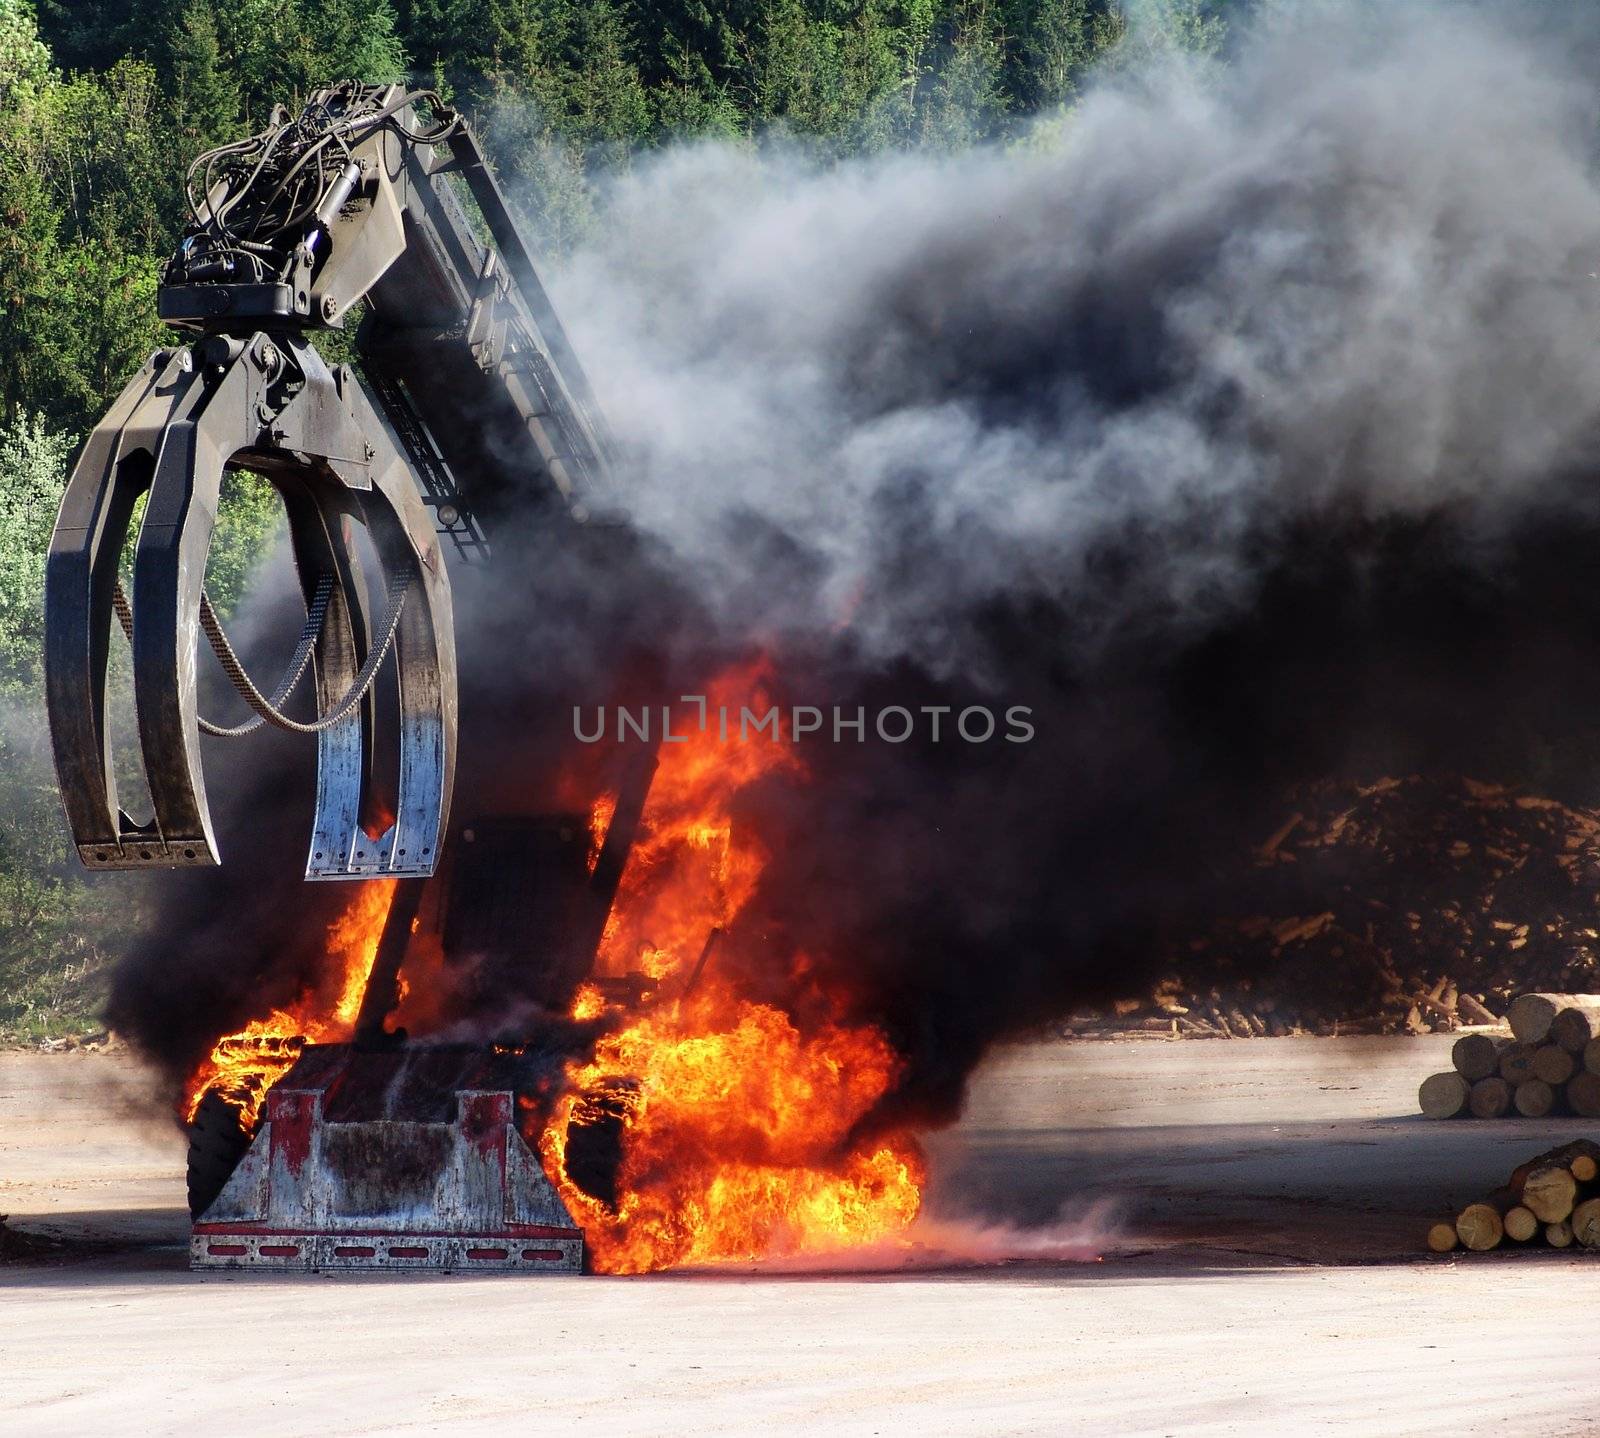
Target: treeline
626 71
103 104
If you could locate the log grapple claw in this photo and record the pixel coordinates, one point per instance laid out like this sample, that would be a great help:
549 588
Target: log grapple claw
272 405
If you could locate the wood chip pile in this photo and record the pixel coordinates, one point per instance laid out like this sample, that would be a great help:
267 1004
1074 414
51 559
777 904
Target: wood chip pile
1552 1200
1410 905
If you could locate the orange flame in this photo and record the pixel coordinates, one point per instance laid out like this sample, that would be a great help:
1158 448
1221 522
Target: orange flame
687 872
737 1141
737 1127
599 822
243 1066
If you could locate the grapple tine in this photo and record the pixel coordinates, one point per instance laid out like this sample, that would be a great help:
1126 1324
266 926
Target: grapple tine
344 750
425 666
402 531
204 430
80 579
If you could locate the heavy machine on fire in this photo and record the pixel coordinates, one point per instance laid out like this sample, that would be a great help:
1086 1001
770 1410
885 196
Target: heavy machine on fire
467 406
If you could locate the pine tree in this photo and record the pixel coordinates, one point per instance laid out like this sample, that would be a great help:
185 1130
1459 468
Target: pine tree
1051 46
353 40
585 82
964 101
205 99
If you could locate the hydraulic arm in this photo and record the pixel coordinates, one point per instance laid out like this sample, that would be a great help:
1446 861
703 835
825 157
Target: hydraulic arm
467 404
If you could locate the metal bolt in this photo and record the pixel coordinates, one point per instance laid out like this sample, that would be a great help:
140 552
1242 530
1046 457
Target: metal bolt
330 307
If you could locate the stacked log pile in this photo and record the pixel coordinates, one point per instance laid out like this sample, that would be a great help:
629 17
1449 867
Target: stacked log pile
1550 1064
1410 905
1551 1200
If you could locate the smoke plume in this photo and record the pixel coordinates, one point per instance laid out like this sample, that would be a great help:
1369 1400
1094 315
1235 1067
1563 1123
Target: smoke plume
1240 424
1349 274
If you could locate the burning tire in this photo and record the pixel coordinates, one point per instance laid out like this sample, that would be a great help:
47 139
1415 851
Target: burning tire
218 1139
594 1138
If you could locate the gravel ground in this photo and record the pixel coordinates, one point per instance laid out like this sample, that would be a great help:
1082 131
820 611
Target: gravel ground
1259 1206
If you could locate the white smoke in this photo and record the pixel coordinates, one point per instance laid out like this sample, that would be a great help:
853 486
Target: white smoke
1084 1235
1349 272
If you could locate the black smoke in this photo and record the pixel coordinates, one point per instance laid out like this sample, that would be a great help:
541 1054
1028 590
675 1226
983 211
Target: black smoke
1242 426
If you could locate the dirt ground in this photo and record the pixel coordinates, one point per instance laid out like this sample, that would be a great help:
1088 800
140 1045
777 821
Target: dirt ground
1260 1205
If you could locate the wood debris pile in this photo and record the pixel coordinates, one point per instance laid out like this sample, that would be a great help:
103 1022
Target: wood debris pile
1408 905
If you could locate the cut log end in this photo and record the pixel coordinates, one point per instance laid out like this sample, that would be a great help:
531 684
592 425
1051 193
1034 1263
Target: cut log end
1534 1099
1531 1015
1443 1095
1520 1223
1550 1192
1586 1223
1475 1056
1490 1098
1553 1064
1572 1028
1558 1235
1583 1098
1442 1237
1516 1063
1480 1227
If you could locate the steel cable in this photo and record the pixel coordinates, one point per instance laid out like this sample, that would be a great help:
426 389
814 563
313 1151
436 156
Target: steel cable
269 711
